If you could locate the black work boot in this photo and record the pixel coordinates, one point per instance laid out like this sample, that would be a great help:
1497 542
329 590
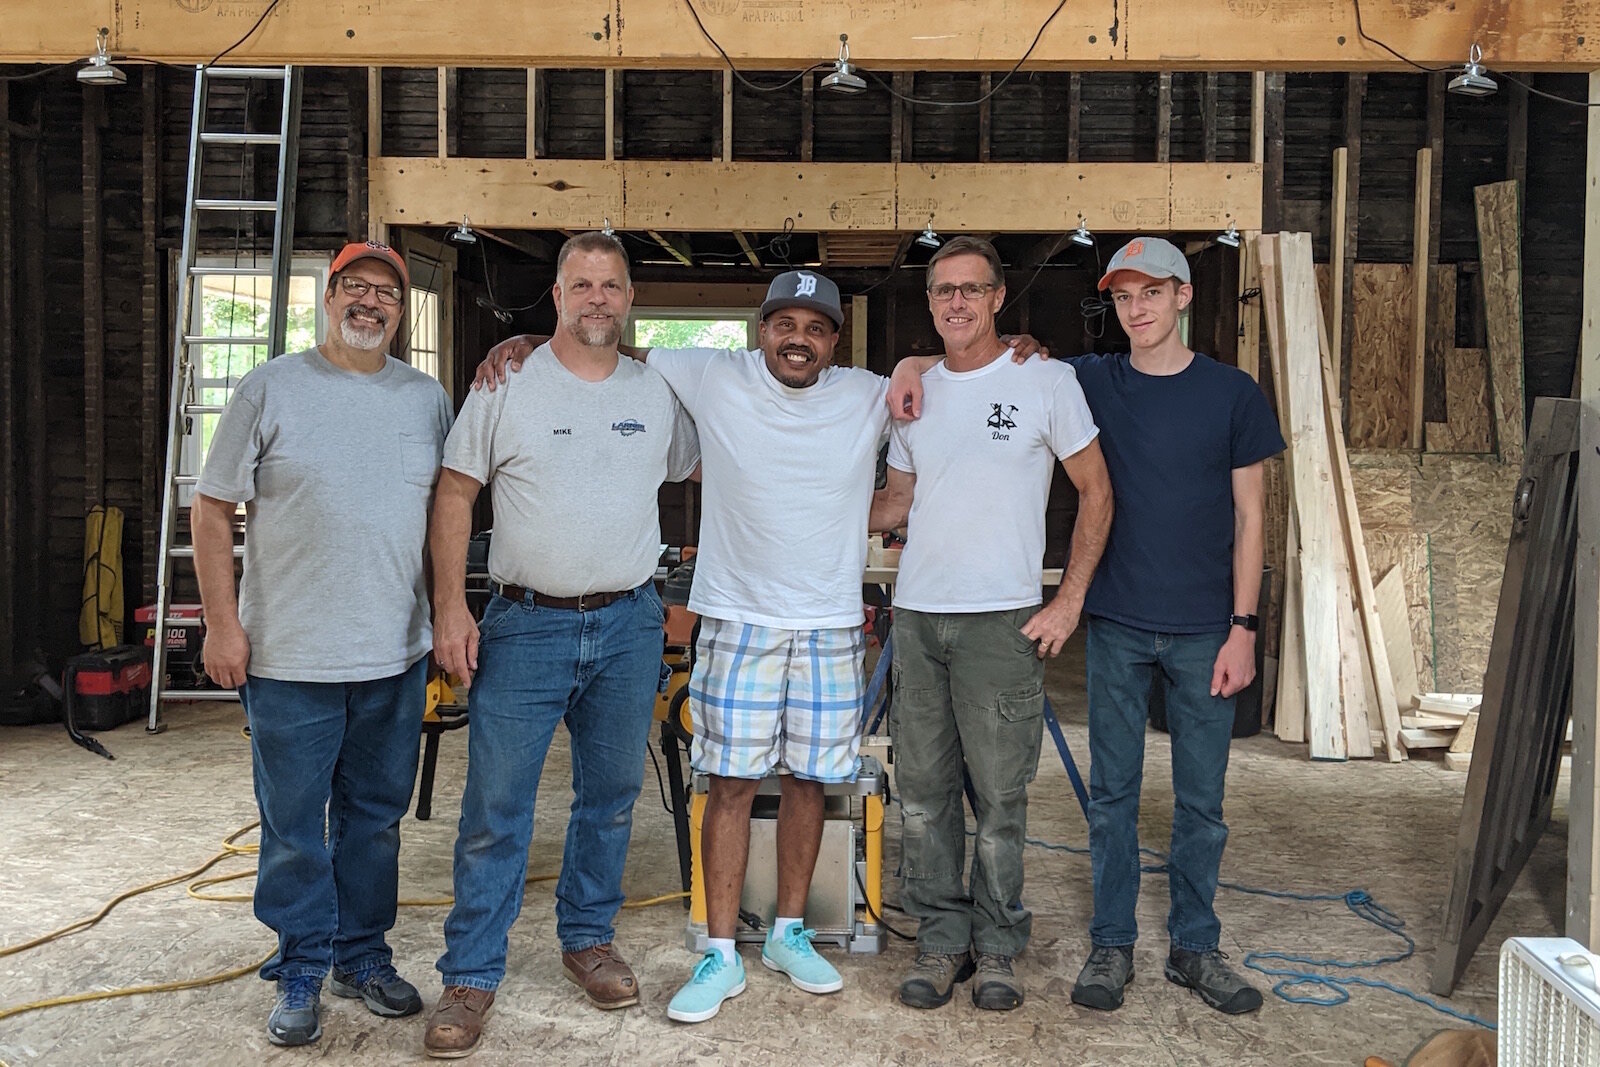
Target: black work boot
1103 978
1219 985
933 979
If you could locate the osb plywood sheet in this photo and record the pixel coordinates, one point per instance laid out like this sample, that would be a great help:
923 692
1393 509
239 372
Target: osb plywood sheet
1389 548
1466 396
1451 548
1463 504
1380 356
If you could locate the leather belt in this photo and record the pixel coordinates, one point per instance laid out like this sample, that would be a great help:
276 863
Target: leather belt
586 602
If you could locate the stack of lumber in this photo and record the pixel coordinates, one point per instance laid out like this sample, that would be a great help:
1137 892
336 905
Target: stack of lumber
1335 686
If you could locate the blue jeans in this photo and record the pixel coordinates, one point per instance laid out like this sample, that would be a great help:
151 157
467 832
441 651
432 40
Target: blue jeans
335 763
1122 662
597 671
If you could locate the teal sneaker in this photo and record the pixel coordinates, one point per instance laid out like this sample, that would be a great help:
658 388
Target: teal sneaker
711 983
794 956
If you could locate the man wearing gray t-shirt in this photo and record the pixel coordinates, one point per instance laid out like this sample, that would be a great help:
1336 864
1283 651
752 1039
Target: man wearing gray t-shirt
574 453
333 453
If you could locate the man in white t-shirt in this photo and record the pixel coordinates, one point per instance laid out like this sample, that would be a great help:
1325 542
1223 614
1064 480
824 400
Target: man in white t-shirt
970 637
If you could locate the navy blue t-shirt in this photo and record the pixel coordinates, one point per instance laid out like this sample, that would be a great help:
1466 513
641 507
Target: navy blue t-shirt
1171 444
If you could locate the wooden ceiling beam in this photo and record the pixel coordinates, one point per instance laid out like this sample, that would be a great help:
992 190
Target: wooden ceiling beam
676 247
749 251
708 197
1298 35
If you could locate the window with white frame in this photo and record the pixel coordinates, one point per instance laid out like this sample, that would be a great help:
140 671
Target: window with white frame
428 321
682 327
231 305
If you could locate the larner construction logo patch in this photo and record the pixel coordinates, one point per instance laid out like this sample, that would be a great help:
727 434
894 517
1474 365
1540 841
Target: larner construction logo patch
628 427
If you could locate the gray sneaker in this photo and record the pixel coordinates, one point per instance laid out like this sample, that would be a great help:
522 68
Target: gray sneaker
296 1017
933 979
1104 977
1217 984
381 988
994 987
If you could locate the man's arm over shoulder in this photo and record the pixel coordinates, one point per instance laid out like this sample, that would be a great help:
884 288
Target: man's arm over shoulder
687 370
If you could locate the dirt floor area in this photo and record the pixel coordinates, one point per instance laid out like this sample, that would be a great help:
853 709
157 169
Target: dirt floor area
75 830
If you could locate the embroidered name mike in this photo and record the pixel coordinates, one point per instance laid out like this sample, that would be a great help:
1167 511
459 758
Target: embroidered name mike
628 427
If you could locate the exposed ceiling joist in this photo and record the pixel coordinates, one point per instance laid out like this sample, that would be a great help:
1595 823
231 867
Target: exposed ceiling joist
676 247
749 252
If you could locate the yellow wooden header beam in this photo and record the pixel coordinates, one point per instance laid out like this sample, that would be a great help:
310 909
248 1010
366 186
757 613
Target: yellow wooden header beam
1522 35
718 197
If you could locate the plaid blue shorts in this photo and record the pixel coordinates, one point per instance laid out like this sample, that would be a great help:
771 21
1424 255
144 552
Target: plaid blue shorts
761 697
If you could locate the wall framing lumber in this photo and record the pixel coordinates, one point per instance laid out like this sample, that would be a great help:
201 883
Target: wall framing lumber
1419 288
8 419
152 337
1500 248
1524 35
94 310
717 197
1336 255
1355 98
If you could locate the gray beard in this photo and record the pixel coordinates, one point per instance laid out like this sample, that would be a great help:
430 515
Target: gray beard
595 336
364 338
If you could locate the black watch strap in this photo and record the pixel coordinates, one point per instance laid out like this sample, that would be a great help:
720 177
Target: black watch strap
1249 622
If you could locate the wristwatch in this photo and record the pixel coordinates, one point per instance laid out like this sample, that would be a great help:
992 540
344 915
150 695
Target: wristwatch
1249 622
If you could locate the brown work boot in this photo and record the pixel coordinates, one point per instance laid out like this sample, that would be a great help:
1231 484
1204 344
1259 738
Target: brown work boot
456 1023
605 979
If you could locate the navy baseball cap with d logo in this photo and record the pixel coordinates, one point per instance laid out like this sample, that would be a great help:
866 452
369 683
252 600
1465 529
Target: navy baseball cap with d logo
803 289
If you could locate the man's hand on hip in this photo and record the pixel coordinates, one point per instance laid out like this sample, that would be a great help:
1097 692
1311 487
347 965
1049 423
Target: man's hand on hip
226 653
1236 663
455 641
1050 627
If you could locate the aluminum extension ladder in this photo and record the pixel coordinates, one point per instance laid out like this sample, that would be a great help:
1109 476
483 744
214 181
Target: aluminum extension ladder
184 411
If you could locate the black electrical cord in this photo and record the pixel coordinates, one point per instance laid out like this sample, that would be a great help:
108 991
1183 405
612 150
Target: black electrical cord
1365 36
862 885
737 73
993 89
42 72
247 34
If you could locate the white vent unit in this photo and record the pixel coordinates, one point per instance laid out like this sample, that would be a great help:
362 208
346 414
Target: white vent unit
1549 1006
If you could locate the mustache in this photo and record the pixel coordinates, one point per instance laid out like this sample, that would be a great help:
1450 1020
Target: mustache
350 314
801 349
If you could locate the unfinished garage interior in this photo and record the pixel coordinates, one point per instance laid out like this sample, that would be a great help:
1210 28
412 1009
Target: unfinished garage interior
1398 240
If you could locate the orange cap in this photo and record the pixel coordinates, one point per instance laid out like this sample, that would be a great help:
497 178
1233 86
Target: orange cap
356 251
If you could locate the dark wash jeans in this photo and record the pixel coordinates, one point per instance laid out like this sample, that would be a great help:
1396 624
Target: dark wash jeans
597 672
335 763
969 694
1121 662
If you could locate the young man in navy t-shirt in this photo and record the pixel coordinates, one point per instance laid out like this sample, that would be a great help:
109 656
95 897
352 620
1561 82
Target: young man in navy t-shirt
1184 439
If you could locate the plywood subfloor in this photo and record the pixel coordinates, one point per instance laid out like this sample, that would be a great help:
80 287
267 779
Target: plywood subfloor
77 830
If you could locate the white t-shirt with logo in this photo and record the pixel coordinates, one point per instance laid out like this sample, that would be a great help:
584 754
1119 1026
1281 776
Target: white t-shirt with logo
984 453
788 477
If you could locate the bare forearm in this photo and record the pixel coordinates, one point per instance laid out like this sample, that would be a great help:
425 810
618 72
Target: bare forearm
888 513
448 532
211 526
1089 533
1248 552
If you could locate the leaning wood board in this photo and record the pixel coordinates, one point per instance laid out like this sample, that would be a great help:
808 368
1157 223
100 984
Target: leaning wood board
1366 680
1314 496
1390 596
1500 249
1289 714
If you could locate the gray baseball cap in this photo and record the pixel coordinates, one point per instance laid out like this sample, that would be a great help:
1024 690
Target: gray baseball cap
1151 256
803 289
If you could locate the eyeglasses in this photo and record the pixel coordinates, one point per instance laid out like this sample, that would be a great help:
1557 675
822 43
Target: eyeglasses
387 294
971 290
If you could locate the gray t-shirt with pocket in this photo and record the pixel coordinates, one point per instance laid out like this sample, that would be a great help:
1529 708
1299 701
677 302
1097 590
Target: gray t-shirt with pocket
573 467
335 469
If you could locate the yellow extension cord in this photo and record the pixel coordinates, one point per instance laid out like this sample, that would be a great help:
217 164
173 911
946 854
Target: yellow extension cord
193 889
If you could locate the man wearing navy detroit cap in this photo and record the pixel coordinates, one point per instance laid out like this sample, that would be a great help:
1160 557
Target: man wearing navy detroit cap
789 448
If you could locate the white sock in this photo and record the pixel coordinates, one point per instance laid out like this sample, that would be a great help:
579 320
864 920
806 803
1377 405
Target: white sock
781 926
723 946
